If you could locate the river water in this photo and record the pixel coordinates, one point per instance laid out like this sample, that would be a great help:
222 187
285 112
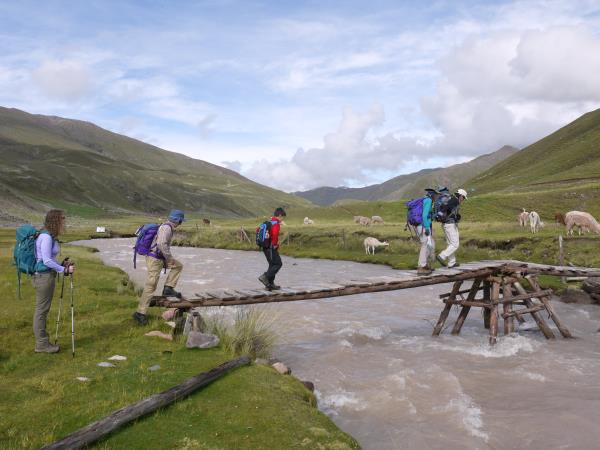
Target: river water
383 378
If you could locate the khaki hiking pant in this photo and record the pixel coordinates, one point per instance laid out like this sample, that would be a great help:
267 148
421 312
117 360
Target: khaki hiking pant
453 241
43 284
427 247
155 266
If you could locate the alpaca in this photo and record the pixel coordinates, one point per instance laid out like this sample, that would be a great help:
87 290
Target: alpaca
584 221
372 243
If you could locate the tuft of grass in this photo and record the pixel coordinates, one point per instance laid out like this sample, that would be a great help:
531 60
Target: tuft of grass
251 333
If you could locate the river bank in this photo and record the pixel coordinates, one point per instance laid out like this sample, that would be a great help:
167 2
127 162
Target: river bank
41 398
381 376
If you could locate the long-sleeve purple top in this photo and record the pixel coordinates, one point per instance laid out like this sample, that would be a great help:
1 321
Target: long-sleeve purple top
46 250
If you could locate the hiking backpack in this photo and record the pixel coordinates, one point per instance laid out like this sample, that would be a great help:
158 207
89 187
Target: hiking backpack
143 245
414 213
440 207
263 234
25 258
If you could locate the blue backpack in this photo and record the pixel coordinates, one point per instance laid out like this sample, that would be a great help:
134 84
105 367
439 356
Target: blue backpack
25 258
263 234
414 214
143 245
440 207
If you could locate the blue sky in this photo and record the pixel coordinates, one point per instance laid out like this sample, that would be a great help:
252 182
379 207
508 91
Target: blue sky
303 94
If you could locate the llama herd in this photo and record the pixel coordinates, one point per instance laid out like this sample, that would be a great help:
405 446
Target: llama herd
583 221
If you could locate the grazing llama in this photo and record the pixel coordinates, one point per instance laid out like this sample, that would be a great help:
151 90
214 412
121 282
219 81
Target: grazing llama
584 221
372 243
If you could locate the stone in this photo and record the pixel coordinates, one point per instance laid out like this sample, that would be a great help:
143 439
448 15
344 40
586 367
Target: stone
154 368
169 314
106 364
83 379
571 295
261 362
591 285
309 385
117 358
196 339
159 334
281 368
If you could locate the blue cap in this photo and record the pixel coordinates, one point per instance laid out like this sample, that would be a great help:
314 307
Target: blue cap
177 216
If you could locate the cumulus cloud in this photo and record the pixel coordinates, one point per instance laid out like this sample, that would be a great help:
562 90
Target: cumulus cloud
233 165
507 87
63 80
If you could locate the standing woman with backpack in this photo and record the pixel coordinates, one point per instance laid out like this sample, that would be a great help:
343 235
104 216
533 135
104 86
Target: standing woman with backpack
47 249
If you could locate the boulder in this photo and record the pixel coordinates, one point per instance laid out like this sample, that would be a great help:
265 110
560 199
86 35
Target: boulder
281 368
309 385
578 296
197 339
592 287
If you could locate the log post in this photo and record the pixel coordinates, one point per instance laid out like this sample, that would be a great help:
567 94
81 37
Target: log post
539 320
561 256
546 301
444 315
494 312
97 430
465 309
486 299
507 309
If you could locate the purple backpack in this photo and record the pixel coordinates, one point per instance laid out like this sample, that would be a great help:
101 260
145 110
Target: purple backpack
414 215
143 245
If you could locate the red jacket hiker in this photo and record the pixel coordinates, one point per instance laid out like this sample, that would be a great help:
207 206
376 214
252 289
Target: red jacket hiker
275 226
271 253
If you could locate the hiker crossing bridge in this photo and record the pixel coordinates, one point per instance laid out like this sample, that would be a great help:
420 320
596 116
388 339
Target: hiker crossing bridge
500 284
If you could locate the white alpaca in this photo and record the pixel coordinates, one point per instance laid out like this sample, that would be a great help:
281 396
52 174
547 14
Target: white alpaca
308 221
584 221
523 218
365 221
376 219
535 223
372 243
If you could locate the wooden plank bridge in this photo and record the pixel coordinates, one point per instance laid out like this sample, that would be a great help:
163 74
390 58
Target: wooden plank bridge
499 283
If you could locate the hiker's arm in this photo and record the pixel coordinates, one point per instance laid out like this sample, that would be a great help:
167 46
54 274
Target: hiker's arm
46 244
163 242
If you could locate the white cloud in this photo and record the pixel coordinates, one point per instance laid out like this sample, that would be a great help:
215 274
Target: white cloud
63 80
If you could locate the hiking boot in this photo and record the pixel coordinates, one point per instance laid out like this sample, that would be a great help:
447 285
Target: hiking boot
273 287
140 318
454 265
263 279
168 291
424 271
46 347
441 261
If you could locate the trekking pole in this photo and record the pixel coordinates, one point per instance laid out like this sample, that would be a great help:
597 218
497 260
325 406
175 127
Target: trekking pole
72 319
62 291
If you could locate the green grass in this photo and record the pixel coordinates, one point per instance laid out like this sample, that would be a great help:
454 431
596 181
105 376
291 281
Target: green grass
40 399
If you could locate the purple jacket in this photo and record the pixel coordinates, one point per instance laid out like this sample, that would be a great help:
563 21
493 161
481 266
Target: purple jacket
46 252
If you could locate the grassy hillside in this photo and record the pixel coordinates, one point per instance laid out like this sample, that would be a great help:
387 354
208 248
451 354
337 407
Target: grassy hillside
410 185
569 157
77 165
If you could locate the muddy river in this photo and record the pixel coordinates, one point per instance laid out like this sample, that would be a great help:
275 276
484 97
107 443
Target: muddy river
381 376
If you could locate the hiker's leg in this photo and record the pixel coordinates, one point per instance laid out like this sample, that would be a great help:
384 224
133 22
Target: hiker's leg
154 267
451 234
424 253
175 269
454 243
274 264
44 290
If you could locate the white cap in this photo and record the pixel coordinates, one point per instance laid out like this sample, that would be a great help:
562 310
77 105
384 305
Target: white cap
462 192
